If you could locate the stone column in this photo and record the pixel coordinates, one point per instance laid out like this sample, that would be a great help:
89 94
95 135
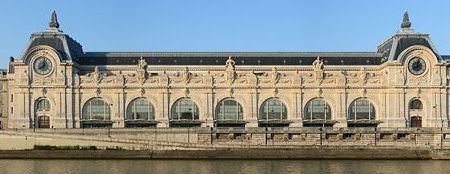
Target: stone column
252 121
76 108
297 119
120 115
341 110
210 108
163 118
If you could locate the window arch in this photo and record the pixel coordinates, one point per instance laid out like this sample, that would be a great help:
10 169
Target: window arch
361 110
184 109
272 109
229 109
415 104
42 105
96 109
317 109
140 109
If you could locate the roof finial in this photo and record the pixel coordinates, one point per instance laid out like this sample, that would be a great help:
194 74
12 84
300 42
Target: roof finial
406 23
54 21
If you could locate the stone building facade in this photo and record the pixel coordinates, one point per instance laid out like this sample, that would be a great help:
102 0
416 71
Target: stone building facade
3 99
55 84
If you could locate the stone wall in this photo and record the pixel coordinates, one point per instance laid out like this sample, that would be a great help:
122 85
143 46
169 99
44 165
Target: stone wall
207 138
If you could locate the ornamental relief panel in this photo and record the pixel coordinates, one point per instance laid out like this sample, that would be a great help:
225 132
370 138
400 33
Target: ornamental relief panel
251 78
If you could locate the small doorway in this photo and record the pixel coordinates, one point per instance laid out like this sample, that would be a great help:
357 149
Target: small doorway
416 121
43 122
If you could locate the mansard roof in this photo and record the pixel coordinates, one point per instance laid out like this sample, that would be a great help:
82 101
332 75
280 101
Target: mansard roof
404 38
219 58
67 47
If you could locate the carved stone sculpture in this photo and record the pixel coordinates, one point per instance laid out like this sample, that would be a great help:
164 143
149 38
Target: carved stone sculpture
275 75
318 64
141 71
230 71
186 76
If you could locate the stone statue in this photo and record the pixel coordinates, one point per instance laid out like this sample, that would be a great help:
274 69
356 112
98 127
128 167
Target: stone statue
275 75
229 65
142 70
97 75
318 64
230 70
363 76
142 63
186 76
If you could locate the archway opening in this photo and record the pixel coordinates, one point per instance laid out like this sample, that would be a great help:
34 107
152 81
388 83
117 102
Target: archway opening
96 114
317 114
140 113
361 113
229 113
415 112
273 113
184 113
42 113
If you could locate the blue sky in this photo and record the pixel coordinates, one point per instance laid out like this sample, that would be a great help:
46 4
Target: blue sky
228 25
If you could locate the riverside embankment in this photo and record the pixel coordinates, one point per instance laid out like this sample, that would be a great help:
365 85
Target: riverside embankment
229 143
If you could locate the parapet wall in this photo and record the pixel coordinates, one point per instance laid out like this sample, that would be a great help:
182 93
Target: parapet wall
255 137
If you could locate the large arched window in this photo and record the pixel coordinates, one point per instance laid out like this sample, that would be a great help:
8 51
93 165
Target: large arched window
415 104
96 109
140 109
229 109
42 105
272 109
184 109
361 113
317 109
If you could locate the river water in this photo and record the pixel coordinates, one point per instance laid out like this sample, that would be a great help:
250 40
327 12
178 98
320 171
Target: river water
222 166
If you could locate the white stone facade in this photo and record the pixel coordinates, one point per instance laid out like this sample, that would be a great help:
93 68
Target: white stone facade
389 86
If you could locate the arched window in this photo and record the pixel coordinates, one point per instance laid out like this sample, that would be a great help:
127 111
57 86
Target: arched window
96 109
184 109
229 109
415 104
317 109
140 109
43 105
272 109
361 110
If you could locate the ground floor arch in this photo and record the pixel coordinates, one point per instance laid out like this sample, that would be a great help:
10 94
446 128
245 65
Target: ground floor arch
184 113
229 113
273 113
96 113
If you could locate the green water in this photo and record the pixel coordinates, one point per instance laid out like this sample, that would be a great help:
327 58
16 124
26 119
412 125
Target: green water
222 166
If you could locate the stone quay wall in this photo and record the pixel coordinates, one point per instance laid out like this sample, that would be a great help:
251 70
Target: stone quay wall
249 137
229 143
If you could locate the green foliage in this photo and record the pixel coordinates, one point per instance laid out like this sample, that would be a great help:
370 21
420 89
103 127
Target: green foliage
48 147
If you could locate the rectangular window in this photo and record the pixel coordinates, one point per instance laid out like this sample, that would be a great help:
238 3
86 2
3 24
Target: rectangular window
12 110
12 98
